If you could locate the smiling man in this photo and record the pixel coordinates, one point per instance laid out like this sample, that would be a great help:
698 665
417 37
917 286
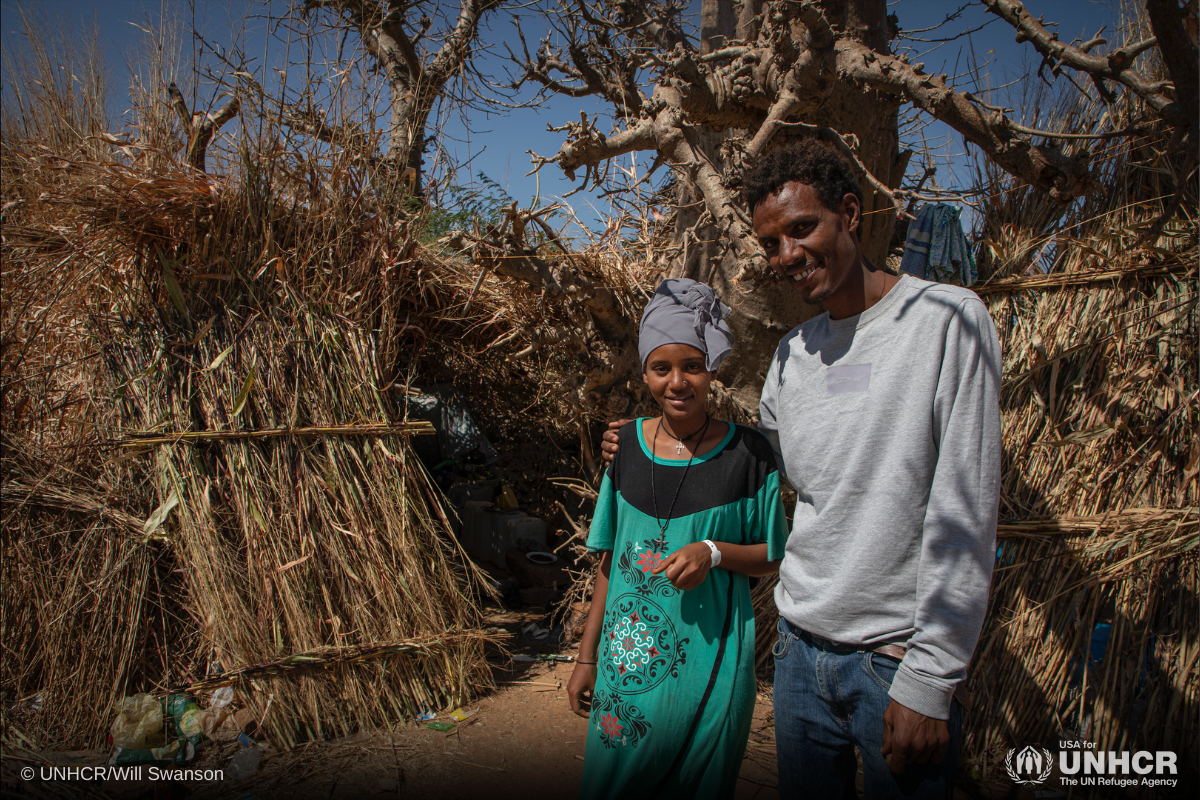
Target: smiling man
884 414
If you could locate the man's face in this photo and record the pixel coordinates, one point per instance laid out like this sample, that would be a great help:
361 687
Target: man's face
808 245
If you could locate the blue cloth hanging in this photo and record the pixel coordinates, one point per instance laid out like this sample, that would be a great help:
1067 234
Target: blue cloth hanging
937 249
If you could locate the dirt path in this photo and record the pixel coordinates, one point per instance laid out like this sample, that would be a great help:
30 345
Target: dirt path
523 742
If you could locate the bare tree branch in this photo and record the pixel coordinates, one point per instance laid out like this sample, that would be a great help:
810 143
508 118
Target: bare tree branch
1044 166
390 34
1115 65
608 63
199 133
181 109
587 147
457 47
347 136
1131 131
788 72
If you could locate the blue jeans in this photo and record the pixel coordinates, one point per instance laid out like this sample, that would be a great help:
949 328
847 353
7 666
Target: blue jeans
830 698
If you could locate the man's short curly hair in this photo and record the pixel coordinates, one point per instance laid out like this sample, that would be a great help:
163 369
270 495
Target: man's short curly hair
807 160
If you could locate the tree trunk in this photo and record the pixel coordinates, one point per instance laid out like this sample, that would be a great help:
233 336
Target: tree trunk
406 137
765 311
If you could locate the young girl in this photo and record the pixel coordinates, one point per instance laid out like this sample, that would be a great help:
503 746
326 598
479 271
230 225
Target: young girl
689 508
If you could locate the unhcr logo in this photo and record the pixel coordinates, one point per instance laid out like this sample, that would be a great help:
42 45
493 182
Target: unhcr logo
1031 766
1083 763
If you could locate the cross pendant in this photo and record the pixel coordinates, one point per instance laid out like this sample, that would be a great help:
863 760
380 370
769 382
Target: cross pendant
679 448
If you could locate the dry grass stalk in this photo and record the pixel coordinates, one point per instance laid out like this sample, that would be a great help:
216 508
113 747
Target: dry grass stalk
327 657
1145 270
420 427
298 545
83 615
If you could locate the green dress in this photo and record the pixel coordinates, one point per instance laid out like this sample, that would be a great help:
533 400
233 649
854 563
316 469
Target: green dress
675 670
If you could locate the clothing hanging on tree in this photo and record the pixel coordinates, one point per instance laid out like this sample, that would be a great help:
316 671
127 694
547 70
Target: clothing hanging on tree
937 249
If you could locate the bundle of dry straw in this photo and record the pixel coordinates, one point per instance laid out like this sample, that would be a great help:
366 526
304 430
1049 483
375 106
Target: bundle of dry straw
206 480
294 544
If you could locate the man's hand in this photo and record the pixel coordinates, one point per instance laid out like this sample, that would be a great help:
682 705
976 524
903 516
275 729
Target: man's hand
687 567
912 738
583 679
608 444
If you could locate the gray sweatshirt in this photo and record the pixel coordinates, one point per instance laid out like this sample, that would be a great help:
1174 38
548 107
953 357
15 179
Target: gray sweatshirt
888 426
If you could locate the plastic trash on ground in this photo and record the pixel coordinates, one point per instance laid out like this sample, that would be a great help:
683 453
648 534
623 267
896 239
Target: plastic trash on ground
507 499
179 751
536 631
24 706
224 725
221 697
213 722
245 763
187 717
458 715
139 723
441 727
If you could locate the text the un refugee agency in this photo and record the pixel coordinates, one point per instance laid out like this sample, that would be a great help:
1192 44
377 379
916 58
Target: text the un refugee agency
1083 764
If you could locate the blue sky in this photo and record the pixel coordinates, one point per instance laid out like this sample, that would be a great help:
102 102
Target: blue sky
496 144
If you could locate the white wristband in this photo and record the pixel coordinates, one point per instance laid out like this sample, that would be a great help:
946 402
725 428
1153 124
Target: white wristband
716 554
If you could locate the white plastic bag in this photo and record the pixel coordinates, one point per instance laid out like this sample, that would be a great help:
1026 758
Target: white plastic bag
139 723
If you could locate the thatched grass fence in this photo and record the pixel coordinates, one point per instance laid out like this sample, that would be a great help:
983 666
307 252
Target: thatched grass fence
205 478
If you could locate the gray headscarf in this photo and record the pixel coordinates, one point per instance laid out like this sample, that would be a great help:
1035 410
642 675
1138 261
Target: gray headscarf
684 311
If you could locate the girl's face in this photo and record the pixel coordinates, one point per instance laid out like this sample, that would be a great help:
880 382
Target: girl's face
678 381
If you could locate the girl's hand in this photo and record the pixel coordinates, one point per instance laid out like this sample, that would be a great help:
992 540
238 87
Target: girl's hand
687 567
583 679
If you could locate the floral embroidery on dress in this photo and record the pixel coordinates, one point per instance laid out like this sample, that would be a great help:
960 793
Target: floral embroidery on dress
641 647
618 721
631 644
648 560
635 563
610 725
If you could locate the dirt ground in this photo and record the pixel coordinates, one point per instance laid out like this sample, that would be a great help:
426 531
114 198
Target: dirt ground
523 742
